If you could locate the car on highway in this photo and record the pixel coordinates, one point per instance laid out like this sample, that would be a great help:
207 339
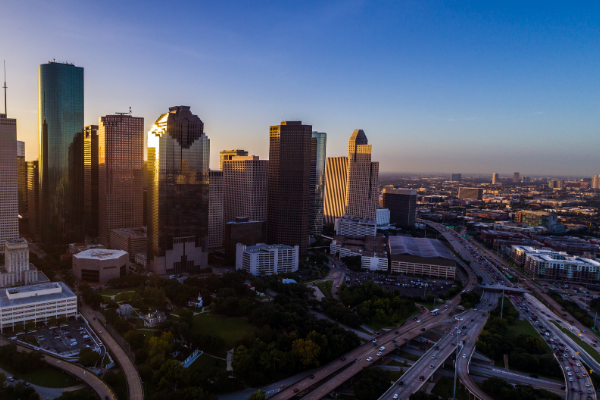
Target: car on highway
382 348
464 356
396 396
295 390
370 359
379 354
431 366
421 378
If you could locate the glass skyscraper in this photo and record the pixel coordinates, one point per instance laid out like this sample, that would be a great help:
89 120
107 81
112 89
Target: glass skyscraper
317 182
178 196
60 124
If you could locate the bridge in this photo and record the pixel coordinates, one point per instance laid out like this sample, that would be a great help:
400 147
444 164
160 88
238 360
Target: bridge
499 288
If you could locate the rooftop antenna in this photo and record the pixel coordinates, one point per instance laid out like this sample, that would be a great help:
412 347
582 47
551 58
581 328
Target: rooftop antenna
5 87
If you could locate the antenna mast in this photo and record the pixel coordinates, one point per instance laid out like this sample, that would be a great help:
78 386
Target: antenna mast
5 87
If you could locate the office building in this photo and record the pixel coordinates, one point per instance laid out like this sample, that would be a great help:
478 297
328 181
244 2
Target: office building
35 303
267 259
518 253
536 218
354 226
245 187
33 198
243 231
120 162
9 204
515 177
421 256
60 124
99 266
22 179
495 178
456 177
362 189
560 266
556 184
131 240
525 179
90 180
178 159
402 204
373 251
383 217
596 182
17 270
470 193
289 185
317 182
227 155
215 209
336 174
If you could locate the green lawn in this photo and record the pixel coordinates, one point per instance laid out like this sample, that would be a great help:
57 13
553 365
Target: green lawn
125 296
227 328
205 362
111 292
445 388
524 327
589 349
326 288
46 377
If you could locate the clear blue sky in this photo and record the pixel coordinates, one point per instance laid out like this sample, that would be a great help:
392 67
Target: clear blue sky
437 86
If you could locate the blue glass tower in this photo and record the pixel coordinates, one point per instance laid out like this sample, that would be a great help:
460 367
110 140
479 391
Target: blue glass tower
60 140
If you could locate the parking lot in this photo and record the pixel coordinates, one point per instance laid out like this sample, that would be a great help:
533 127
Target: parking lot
408 286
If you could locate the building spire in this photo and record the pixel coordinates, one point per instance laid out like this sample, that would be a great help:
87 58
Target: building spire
5 87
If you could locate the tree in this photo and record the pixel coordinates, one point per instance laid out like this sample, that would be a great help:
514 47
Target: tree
52 321
259 395
161 345
81 394
154 298
88 357
307 351
62 320
372 384
30 326
135 338
187 316
2 380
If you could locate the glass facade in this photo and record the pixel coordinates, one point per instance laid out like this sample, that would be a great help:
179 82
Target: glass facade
317 182
90 179
178 196
60 124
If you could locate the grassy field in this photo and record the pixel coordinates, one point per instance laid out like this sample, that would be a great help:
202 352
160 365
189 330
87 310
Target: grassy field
388 323
205 362
110 292
46 377
525 328
445 388
326 288
229 329
589 349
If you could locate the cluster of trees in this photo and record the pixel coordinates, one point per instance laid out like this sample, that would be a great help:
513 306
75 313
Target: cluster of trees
527 353
502 390
373 382
352 262
21 361
354 295
572 307
422 395
382 309
454 290
17 392
336 310
469 299
88 357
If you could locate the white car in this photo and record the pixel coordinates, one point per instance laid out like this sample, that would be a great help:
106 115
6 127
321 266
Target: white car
381 348
374 340
418 320
370 359
396 396
464 356
379 354
569 373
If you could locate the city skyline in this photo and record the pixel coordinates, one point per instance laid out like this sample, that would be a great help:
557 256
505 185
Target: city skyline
442 83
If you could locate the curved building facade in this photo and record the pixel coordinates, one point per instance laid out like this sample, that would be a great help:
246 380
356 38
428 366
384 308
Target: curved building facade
178 173
60 127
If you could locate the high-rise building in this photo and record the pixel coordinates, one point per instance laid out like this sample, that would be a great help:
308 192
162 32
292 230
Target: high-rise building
22 178
556 184
120 162
516 177
317 182
402 204
9 204
245 186
215 209
90 180
495 178
227 155
456 177
178 191
470 193
596 182
17 270
289 185
336 174
244 231
525 179
362 190
33 198
60 124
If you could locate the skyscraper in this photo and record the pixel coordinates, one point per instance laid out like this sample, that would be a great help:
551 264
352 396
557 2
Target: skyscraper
215 209
516 177
9 204
456 177
362 191
596 182
289 184
178 159
120 162
22 178
90 180
494 178
317 182
226 155
336 174
60 124
402 204
33 198
246 182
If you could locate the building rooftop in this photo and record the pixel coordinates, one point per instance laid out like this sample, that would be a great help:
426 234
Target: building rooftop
103 254
134 233
418 247
349 218
34 294
261 247
17 241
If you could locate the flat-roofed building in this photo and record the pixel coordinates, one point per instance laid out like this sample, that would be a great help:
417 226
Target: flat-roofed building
245 188
227 155
354 226
402 204
470 193
518 253
267 259
131 240
244 231
563 267
383 217
17 269
36 303
99 266
215 209
421 256
373 251
336 175
536 218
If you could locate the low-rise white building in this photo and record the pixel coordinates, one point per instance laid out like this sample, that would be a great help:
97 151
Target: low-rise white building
100 265
354 226
562 267
267 259
36 303
373 251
